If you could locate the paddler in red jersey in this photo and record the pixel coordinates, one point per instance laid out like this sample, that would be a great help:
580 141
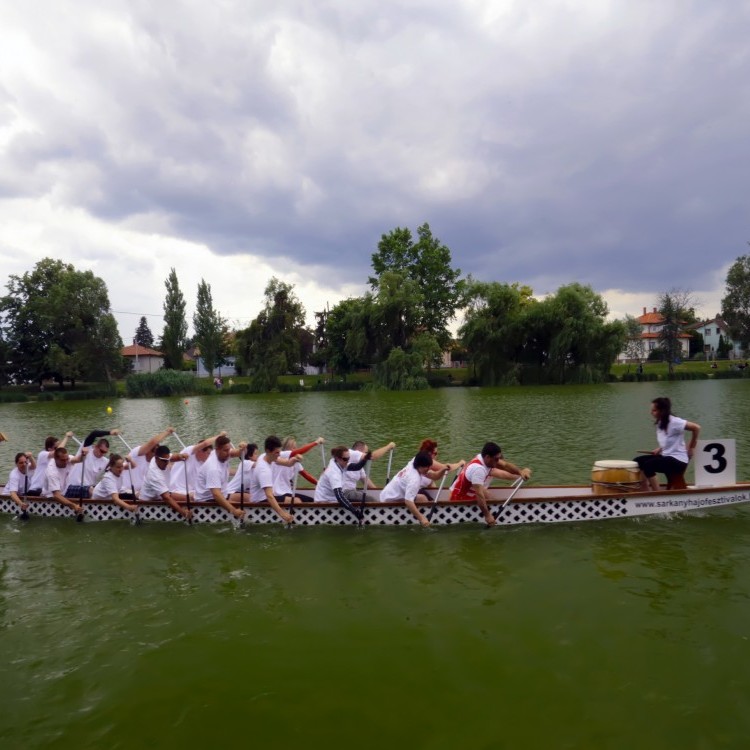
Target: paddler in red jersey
475 477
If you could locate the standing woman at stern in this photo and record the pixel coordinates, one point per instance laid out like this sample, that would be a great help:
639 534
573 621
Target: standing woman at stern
672 455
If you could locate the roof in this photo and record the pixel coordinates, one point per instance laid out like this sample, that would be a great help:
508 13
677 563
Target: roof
658 335
136 350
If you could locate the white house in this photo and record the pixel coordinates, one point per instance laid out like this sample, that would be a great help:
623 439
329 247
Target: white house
711 330
142 358
651 324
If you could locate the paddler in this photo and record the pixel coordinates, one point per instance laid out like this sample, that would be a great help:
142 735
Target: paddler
476 475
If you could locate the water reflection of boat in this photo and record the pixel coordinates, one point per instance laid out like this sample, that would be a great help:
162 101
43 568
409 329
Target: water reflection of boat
530 504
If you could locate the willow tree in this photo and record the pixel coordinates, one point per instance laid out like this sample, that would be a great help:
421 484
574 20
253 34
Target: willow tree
493 332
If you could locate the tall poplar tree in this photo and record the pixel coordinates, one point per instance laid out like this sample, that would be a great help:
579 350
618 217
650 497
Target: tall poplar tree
173 337
210 329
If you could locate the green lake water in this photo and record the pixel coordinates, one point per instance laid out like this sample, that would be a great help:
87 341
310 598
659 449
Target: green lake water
614 634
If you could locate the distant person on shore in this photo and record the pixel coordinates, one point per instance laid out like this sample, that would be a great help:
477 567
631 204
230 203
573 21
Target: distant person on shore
672 456
476 475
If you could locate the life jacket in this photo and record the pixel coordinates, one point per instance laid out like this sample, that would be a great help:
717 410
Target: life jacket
462 488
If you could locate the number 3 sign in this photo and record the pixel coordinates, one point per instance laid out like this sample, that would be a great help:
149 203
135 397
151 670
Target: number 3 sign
715 463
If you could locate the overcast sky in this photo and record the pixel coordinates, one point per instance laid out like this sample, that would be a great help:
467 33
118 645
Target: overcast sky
544 142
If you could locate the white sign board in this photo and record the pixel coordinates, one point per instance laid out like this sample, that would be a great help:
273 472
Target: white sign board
715 463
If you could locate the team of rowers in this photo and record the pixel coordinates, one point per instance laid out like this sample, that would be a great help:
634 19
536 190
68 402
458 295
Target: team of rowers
201 473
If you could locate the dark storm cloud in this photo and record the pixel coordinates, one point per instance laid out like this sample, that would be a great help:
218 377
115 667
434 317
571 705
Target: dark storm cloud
544 144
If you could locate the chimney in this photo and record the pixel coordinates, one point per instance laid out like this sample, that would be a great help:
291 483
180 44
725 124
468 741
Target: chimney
654 309
644 310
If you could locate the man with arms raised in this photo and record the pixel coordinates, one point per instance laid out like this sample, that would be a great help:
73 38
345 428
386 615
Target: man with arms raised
475 478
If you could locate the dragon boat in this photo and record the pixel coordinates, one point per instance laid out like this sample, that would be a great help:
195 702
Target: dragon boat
511 506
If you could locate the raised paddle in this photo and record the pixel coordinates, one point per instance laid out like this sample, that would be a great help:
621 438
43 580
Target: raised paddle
361 512
294 491
390 459
177 437
81 487
516 486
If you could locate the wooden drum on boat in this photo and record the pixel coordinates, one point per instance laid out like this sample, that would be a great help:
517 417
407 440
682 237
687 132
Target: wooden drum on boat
615 477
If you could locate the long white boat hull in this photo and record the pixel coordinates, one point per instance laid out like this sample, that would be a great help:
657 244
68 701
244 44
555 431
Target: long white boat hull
561 504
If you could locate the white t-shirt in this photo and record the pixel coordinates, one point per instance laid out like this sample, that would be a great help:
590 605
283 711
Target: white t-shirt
108 486
42 461
283 476
139 470
261 477
156 482
352 477
672 440
91 468
213 474
177 480
56 479
17 481
241 477
331 479
404 486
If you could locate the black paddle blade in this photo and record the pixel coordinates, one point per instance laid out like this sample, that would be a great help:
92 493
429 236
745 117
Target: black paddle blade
79 517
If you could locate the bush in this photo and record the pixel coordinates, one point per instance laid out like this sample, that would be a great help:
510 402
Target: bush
165 383
13 397
730 374
687 376
337 386
634 377
698 357
238 388
45 396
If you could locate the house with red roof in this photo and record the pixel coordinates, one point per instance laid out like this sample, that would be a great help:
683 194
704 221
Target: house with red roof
651 324
142 358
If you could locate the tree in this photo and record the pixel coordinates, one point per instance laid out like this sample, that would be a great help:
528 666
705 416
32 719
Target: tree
493 333
210 329
676 308
634 346
427 263
175 325
735 307
58 324
143 335
270 346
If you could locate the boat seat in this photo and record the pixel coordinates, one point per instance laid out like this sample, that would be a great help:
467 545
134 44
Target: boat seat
676 481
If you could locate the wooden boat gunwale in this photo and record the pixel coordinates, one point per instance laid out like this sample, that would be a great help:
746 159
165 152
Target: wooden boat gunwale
531 504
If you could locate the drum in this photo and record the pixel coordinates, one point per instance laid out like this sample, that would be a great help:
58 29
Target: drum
615 477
